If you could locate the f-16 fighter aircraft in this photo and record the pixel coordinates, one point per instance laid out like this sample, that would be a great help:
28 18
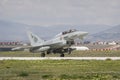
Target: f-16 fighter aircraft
59 44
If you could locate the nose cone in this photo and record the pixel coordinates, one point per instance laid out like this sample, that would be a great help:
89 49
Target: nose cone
85 33
82 34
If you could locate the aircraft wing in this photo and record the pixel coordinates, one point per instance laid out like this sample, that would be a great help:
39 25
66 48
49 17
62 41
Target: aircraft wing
40 48
20 48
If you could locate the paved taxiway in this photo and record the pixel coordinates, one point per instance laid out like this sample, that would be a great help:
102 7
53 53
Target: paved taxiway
59 58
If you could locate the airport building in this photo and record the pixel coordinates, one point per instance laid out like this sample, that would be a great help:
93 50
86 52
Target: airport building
7 46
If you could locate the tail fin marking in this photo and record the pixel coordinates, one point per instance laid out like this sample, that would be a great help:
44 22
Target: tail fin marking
34 39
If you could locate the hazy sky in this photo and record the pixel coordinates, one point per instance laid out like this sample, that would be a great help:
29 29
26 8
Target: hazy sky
54 12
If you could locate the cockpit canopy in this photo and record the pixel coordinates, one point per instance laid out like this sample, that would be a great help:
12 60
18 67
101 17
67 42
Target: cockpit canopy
65 32
69 31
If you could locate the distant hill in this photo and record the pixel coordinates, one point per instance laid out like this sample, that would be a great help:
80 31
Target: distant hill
17 31
107 35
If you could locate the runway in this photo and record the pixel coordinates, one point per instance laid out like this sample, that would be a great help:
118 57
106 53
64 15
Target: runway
59 58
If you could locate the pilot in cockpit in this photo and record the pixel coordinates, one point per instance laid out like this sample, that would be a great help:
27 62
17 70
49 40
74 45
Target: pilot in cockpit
71 30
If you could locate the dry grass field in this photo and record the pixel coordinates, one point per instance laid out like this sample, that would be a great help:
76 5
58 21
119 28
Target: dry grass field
59 70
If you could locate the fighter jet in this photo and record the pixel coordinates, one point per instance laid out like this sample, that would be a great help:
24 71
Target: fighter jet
59 44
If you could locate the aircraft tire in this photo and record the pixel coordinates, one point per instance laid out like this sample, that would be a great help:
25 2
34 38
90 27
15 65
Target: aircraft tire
62 55
69 50
42 54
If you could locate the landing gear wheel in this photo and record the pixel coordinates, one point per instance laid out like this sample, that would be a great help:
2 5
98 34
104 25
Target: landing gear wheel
42 54
69 50
61 55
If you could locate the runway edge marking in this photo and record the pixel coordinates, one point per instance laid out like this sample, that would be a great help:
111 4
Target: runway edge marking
59 58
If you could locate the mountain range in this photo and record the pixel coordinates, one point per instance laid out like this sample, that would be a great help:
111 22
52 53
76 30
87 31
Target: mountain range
17 31
107 35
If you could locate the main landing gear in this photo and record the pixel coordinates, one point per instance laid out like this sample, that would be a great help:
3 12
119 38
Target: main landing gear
62 55
60 51
42 54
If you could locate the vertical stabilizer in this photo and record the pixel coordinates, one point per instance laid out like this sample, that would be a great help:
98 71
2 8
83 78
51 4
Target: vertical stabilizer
34 39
